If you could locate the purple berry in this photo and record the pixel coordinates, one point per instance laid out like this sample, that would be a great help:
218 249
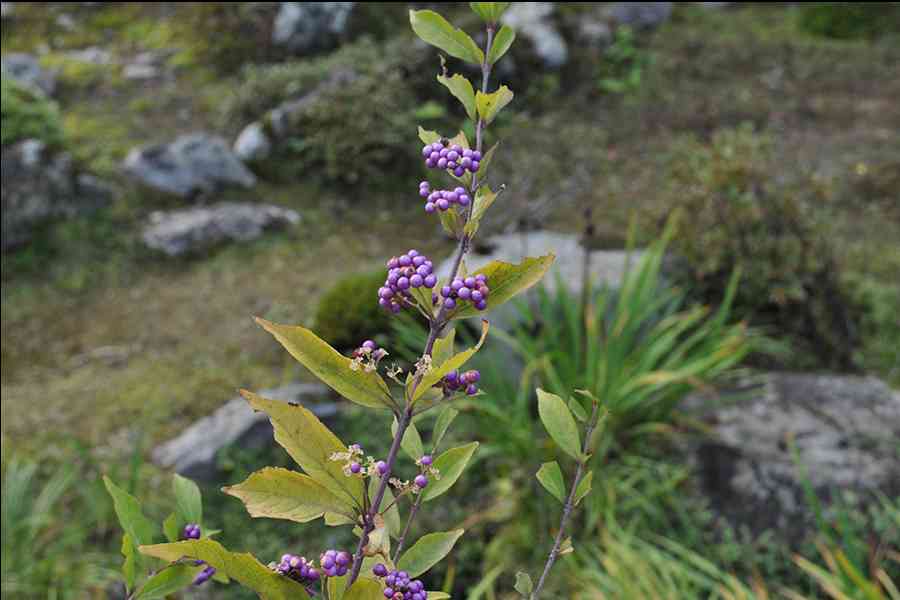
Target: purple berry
481 305
475 165
464 293
369 344
388 593
418 260
355 467
446 291
426 460
473 376
381 467
456 285
421 481
404 260
380 570
464 200
449 304
472 389
477 296
442 163
430 207
469 281
342 559
416 280
327 561
403 283
431 163
456 148
443 204
476 155
430 282
459 171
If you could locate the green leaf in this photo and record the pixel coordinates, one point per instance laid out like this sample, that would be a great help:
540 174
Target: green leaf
428 136
560 424
451 464
168 581
584 487
336 520
411 442
507 280
462 89
365 589
277 493
438 596
435 30
326 363
577 409
139 528
129 565
442 424
551 478
523 584
187 499
484 197
311 445
429 550
443 347
170 527
242 567
336 587
502 41
452 222
489 105
437 372
486 161
489 11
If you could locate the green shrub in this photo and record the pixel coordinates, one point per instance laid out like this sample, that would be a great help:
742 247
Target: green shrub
225 35
850 20
348 313
28 113
741 217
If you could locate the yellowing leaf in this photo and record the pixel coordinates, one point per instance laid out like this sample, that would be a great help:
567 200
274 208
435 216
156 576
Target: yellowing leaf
282 494
437 372
490 105
329 365
311 445
506 280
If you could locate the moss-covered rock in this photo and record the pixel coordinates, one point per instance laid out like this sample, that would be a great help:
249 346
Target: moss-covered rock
348 313
27 113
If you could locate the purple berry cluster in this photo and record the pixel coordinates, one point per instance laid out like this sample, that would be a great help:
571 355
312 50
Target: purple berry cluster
334 563
474 289
442 155
410 270
297 568
443 199
455 381
204 575
191 532
399 586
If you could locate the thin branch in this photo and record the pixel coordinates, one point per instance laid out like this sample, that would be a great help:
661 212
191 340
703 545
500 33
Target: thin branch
412 515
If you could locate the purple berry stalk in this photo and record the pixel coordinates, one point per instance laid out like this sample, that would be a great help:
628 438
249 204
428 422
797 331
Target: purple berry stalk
436 328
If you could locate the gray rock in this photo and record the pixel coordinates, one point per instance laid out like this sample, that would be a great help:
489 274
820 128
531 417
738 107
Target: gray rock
192 164
304 27
138 71
180 232
252 144
27 71
845 429
641 15
193 453
92 55
533 21
594 33
38 185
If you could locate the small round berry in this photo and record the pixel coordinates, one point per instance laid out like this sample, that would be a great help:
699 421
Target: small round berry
423 269
464 293
426 460
452 376
430 207
465 162
473 376
477 296
421 481
442 163
418 260
327 561
370 345
416 280
380 570
475 165
355 467
446 291
443 204
470 282
481 305
452 155
403 283
342 559
381 467
412 253
404 260
431 163
459 171
444 152
464 200
476 155
312 574
430 282
456 148
449 303
388 593
456 285
471 389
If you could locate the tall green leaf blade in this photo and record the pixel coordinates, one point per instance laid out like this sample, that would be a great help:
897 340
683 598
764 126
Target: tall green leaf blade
311 445
168 581
435 30
551 477
329 365
277 493
502 41
507 280
139 528
242 567
450 464
429 550
490 105
462 90
437 372
560 423
188 499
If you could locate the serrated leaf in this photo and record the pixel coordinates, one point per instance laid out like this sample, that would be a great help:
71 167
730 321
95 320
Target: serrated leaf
559 423
450 464
242 567
168 581
170 527
551 477
364 588
411 442
484 197
129 564
428 550
506 280
442 424
187 499
366 388
584 487
490 105
502 41
427 136
277 493
437 372
311 445
577 409
489 11
434 29
128 510
462 90
523 584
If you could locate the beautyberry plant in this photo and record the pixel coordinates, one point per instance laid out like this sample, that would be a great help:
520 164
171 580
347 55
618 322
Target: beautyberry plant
340 482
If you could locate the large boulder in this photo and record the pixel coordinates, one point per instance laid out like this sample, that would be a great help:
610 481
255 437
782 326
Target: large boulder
40 184
191 230
533 21
193 453
844 430
27 71
193 164
303 27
